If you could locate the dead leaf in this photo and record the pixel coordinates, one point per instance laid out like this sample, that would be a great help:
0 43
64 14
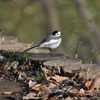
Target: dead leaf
7 67
7 92
22 76
53 87
59 78
42 90
36 87
73 92
31 84
81 80
87 84
93 93
95 85
29 96
55 97
81 92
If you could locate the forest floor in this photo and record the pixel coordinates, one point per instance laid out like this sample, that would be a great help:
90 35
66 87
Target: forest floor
22 78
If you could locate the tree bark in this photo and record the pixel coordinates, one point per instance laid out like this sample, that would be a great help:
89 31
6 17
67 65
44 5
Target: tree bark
51 14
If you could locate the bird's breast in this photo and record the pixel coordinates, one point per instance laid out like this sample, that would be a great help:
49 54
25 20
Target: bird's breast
54 43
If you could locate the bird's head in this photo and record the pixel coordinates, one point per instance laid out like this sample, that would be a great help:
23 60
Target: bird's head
56 33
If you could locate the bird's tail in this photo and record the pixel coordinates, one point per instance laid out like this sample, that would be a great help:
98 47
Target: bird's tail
30 48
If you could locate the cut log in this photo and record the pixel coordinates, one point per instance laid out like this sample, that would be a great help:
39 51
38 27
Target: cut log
70 65
86 70
62 61
8 39
45 56
11 43
13 47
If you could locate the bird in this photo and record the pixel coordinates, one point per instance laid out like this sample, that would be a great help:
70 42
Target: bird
52 41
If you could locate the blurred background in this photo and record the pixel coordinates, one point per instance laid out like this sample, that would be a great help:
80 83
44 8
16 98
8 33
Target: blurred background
32 20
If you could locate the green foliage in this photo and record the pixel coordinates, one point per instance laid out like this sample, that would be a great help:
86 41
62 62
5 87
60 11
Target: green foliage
40 76
93 57
11 56
23 56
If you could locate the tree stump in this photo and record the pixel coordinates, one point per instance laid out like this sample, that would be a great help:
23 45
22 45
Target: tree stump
62 62
54 61
11 43
45 56
8 39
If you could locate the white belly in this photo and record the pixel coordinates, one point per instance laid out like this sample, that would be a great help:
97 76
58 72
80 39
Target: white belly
52 43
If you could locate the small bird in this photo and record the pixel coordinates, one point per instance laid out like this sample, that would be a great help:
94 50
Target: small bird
52 41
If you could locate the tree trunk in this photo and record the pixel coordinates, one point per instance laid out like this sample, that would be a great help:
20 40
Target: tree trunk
51 14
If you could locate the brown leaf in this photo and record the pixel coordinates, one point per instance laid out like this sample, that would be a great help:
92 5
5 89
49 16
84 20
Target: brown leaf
31 84
87 84
30 96
92 93
7 92
81 92
52 85
42 90
73 92
59 78
36 87
7 67
95 85
81 80
56 97
22 76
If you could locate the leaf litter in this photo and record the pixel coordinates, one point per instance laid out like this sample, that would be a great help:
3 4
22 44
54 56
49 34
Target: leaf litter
41 85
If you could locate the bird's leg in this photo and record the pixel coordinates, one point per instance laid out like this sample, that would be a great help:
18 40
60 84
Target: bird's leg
51 52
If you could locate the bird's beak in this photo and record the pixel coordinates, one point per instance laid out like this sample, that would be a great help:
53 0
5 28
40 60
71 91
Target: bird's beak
62 33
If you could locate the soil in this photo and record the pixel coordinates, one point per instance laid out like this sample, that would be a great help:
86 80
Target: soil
11 89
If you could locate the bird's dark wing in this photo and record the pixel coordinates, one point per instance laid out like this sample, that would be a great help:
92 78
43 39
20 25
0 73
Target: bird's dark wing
48 39
45 40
